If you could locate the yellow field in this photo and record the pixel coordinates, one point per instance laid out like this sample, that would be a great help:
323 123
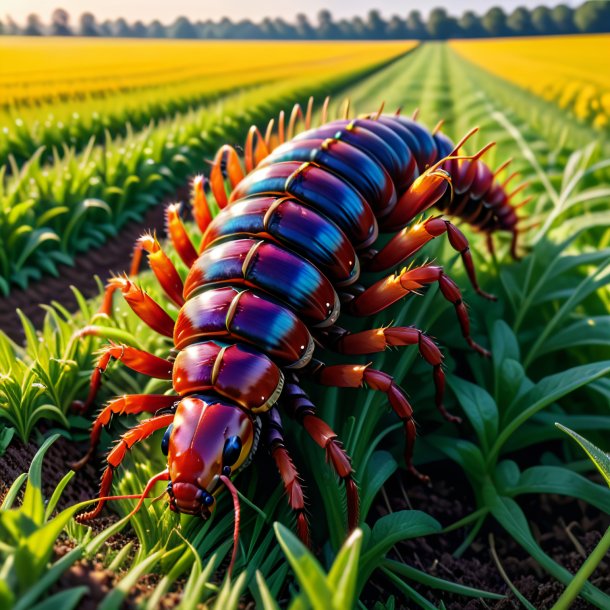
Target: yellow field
34 70
573 71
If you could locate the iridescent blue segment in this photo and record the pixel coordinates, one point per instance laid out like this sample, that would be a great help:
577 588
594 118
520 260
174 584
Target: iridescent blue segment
275 270
300 228
348 162
362 138
418 139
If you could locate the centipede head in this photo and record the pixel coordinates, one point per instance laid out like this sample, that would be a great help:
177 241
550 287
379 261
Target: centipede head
210 438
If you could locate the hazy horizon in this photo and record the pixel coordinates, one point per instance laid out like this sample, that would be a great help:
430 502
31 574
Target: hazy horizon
143 10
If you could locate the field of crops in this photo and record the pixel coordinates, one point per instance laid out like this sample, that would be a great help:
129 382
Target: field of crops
573 72
517 512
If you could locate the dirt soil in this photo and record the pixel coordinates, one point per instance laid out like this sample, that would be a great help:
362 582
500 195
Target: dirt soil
113 256
567 529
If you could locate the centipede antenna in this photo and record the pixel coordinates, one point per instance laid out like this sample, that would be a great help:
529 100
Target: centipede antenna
161 476
438 127
415 114
432 169
511 177
229 485
380 111
325 109
309 112
503 166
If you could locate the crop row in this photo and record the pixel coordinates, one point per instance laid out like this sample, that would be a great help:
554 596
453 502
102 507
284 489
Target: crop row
570 71
50 214
186 75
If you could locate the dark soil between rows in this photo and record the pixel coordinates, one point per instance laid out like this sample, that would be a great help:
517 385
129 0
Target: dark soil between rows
112 256
564 527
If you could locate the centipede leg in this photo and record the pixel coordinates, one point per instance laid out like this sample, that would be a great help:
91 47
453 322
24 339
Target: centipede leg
379 339
145 307
163 268
302 409
135 359
355 376
387 291
178 235
131 404
288 472
117 455
411 239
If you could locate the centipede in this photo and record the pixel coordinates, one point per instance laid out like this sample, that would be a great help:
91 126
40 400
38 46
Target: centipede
301 211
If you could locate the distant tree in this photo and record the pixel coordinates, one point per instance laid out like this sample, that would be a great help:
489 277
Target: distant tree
470 24
304 28
138 30
33 25
397 28
106 28
246 29
122 29
60 23
519 22
375 25
156 29
284 30
592 17
357 28
327 28
542 20
182 28
11 27
416 26
494 22
440 25
88 25
563 17
1 28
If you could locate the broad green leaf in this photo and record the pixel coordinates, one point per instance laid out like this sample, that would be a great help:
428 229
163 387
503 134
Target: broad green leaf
480 408
66 600
308 571
343 574
379 469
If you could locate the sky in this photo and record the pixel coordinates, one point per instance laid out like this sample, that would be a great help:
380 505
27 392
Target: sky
147 10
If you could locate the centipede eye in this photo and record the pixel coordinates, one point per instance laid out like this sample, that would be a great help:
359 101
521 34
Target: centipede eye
165 441
231 451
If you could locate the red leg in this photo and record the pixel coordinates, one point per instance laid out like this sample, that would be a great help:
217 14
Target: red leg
387 291
413 238
135 359
199 203
145 307
288 472
163 268
379 339
179 237
118 453
355 376
299 406
128 404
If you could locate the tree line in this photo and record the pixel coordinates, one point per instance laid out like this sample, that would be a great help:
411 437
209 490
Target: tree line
590 17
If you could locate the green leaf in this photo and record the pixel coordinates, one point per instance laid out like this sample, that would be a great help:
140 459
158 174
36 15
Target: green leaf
308 571
597 456
66 600
393 528
343 575
434 582
379 469
268 603
480 408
